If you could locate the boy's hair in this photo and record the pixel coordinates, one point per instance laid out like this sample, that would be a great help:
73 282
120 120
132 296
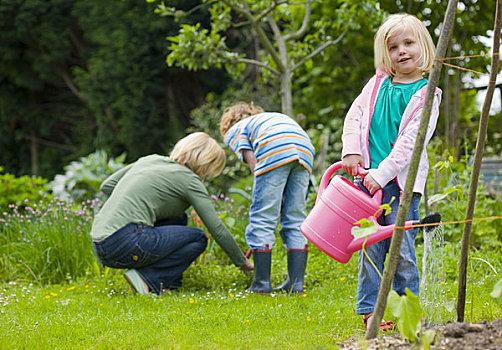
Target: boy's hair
393 25
200 153
238 111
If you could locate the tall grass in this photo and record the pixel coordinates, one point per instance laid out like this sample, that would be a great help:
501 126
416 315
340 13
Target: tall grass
46 242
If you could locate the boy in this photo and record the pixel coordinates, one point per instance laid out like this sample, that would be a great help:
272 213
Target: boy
280 155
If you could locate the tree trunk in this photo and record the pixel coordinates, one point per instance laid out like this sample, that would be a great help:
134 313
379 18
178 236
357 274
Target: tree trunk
34 153
402 212
478 157
286 95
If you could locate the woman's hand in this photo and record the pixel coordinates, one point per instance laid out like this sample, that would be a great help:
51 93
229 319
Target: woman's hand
350 163
371 184
247 268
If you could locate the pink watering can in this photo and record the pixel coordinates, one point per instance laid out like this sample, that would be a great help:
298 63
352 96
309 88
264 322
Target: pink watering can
339 205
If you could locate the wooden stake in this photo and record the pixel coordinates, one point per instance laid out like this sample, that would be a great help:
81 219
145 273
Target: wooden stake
478 157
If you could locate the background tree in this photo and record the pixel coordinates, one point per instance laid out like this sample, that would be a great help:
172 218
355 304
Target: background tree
86 74
284 36
76 76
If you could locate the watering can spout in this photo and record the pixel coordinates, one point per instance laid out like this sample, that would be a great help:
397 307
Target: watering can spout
427 223
382 232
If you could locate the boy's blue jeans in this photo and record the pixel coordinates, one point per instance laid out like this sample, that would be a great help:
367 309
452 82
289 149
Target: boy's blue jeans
278 194
160 254
407 270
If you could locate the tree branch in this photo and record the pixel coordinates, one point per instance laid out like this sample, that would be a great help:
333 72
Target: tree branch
69 83
320 49
53 144
265 12
281 44
259 64
262 36
306 19
192 10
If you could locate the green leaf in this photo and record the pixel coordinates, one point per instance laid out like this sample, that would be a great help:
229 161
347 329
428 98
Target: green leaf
497 289
450 306
359 232
436 198
406 308
440 196
229 222
387 208
428 338
365 223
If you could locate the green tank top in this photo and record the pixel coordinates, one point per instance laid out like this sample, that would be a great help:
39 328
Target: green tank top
389 108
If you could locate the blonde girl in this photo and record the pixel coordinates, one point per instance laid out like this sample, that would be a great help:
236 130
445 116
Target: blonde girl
379 135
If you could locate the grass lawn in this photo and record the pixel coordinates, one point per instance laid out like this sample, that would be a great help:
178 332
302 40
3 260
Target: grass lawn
212 310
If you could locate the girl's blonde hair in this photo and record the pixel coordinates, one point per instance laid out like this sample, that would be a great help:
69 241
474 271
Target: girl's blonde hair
239 111
200 153
394 25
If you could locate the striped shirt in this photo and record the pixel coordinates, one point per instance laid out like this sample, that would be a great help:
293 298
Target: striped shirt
275 139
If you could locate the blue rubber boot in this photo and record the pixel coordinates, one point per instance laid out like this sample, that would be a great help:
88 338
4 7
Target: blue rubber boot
297 263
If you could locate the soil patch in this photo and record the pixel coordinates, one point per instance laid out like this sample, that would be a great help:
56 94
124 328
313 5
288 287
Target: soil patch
458 336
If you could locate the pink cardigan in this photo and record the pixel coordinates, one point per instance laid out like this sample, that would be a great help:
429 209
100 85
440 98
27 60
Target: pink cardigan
396 164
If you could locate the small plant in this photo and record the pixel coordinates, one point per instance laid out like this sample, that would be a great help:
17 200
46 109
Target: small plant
407 310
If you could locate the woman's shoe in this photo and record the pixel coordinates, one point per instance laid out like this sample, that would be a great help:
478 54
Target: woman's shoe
137 283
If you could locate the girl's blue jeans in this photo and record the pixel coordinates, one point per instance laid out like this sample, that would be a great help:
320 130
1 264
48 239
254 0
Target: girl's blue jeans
278 194
407 270
160 254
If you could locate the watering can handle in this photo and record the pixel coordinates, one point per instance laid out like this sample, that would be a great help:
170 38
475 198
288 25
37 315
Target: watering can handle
327 176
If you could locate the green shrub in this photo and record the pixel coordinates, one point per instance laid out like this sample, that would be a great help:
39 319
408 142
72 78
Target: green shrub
451 202
15 191
82 179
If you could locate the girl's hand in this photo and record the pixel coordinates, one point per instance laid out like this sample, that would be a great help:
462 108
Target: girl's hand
247 267
371 184
350 163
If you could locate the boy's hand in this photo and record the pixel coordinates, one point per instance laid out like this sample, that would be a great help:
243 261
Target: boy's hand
247 268
350 163
249 157
371 184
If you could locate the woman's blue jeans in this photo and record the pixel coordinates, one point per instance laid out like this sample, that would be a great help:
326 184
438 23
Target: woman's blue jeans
160 254
407 270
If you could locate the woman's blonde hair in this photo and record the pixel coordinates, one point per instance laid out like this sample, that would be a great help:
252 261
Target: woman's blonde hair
238 111
200 153
394 25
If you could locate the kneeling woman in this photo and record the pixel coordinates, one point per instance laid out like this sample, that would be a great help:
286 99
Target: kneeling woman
142 225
